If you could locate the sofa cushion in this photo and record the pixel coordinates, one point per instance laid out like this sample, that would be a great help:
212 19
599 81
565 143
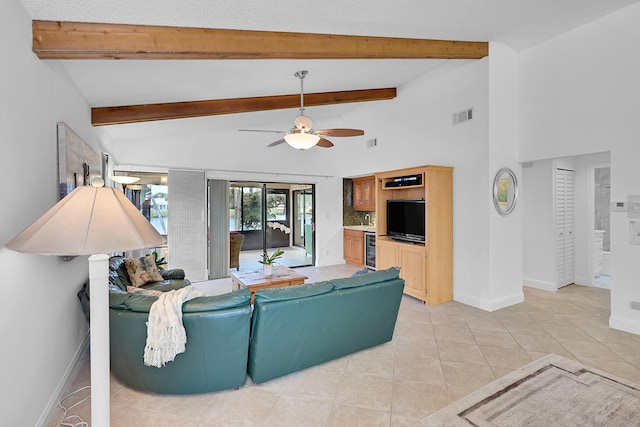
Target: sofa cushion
366 279
142 270
141 303
293 292
166 285
174 273
232 299
134 302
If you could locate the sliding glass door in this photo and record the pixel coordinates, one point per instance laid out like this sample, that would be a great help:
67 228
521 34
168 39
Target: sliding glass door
303 225
271 216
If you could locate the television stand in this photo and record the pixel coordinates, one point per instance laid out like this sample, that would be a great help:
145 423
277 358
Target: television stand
426 267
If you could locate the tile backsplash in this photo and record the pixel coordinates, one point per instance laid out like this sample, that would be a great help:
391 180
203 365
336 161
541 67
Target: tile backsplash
349 215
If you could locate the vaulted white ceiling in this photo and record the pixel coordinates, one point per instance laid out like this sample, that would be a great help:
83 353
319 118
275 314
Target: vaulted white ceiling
517 23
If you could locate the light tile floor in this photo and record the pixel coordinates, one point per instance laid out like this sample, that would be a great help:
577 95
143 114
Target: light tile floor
438 354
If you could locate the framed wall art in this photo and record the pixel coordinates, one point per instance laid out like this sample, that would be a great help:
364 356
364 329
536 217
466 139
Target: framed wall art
78 163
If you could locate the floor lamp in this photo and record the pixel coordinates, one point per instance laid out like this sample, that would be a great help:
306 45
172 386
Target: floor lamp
92 220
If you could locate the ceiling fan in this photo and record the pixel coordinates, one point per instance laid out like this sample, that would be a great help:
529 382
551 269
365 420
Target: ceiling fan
302 136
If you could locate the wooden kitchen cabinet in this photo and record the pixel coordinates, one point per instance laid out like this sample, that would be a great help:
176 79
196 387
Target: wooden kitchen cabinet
354 247
386 254
411 258
364 193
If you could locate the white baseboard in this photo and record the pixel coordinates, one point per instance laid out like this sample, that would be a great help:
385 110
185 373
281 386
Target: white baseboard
539 284
48 412
626 325
489 305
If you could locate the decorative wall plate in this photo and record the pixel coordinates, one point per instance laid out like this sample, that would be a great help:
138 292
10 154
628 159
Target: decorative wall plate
505 191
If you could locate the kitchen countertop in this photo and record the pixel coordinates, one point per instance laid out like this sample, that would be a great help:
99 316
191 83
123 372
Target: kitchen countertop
371 228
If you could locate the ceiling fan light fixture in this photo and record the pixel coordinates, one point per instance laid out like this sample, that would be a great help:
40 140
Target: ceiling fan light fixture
302 136
301 140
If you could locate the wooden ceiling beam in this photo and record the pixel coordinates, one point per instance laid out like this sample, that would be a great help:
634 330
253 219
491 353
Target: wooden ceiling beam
102 116
79 40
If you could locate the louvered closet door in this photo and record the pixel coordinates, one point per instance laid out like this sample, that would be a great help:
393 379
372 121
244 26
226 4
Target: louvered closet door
565 224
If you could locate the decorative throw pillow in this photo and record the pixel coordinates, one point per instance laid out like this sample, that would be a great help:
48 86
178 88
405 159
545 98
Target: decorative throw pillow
142 270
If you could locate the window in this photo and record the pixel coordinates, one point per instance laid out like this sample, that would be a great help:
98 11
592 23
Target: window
150 196
277 205
157 197
245 205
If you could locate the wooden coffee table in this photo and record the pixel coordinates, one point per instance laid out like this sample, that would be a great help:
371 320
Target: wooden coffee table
256 280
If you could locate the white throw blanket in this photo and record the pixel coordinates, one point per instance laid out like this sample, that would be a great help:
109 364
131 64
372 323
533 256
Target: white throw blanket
166 336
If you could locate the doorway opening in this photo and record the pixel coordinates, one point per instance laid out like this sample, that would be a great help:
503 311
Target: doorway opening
273 216
601 225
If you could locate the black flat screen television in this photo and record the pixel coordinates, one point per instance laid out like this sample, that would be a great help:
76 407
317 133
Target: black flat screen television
405 220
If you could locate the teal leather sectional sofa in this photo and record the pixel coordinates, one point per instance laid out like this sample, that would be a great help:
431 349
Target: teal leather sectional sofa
119 280
289 329
216 351
301 326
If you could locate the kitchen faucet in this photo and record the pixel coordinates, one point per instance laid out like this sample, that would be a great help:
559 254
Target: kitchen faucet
369 217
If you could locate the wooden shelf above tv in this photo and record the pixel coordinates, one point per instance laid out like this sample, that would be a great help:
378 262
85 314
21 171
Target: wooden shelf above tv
403 182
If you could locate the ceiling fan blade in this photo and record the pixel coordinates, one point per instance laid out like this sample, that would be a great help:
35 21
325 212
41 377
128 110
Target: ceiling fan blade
261 130
324 143
278 142
340 132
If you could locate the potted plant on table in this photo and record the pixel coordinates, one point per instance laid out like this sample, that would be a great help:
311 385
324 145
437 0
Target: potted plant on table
268 261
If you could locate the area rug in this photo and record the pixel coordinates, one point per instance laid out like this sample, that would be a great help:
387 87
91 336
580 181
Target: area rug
552 391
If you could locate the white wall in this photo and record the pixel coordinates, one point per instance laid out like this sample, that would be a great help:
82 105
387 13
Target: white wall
625 268
578 95
41 322
538 244
505 233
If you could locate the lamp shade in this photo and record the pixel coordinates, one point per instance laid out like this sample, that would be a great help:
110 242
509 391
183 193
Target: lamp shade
89 220
302 140
125 179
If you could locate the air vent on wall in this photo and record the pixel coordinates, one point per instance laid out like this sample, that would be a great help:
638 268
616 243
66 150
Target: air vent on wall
462 116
